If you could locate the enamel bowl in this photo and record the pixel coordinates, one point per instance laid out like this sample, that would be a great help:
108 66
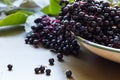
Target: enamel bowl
100 50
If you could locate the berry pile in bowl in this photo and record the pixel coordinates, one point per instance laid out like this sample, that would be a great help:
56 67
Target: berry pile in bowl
97 25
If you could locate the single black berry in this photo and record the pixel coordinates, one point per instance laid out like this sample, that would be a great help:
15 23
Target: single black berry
51 61
48 71
26 40
68 73
36 70
60 56
10 66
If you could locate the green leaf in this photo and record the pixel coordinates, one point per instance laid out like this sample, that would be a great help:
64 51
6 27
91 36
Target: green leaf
46 10
119 4
71 1
7 2
53 8
14 19
27 12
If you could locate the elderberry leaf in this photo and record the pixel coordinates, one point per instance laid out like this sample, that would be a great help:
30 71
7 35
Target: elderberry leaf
53 8
15 18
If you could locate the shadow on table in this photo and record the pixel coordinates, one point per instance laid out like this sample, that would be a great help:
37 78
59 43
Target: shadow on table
10 31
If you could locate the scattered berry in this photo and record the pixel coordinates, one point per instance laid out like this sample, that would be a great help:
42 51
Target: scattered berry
60 56
36 70
48 71
10 66
42 69
51 61
68 73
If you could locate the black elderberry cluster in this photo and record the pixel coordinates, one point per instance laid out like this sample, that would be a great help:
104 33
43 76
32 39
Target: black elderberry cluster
41 70
51 34
95 21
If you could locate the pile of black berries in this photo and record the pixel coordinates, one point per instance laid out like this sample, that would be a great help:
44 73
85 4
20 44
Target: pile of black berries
52 35
96 21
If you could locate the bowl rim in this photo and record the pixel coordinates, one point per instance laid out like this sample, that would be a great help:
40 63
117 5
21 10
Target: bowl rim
81 40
